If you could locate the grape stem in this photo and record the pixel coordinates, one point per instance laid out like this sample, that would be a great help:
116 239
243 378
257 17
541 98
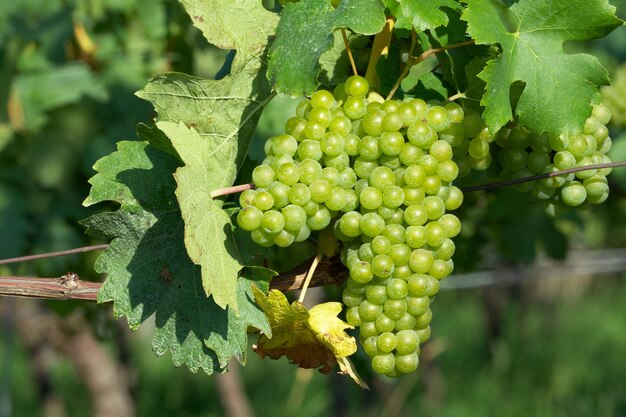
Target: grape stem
349 51
420 58
542 176
232 190
380 47
309 275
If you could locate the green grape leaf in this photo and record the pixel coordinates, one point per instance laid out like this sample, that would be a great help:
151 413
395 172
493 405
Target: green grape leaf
221 116
208 235
559 87
37 92
242 25
148 269
305 32
311 339
419 14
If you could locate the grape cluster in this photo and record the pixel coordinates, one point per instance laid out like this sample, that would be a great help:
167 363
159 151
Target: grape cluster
380 174
307 177
522 154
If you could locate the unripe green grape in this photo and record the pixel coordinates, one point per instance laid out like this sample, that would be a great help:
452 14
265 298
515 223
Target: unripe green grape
390 143
263 176
295 217
421 134
249 218
518 138
436 234
261 238
573 194
446 250
441 150
314 130
448 171
351 144
351 299
352 317
376 294
410 154
382 177
337 199
596 186
272 222
397 289
369 311
381 245
247 197
418 285
400 253
421 260
363 168
430 164
432 184
332 144
341 125
319 220
578 145
280 192
372 224
263 201
310 149
284 145
322 99
392 162
402 271
586 161
365 252
320 190
370 346
478 148
407 113
295 127
415 215
311 208
384 323
540 192
423 334
386 342
356 86
454 135
354 108
416 236
455 199
564 160
302 234
406 322
417 306
288 173
407 363
349 224
393 196
558 143
413 195
352 201
451 224
515 158
367 329
371 198
339 162
424 320
455 112
382 266
395 309
384 364
369 149
284 238
472 125
320 116
434 206
438 118
372 122
361 272
441 269
394 232
392 122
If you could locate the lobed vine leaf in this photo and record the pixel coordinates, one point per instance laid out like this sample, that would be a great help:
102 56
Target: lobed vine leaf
208 235
559 87
149 271
314 338
243 25
419 14
305 32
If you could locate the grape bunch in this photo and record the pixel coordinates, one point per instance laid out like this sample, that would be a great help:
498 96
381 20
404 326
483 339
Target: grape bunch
522 154
380 174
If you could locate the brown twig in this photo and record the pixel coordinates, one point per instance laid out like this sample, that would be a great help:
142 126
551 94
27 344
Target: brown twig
53 254
71 287
349 51
542 176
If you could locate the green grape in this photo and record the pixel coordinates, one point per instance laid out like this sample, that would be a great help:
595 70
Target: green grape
438 118
340 124
384 363
319 220
332 144
382 266
573 193
372 122
295 217
369 311
395 308
381 245
356 86
352 317
393 196
299 194
371 198
249 218
310 149
247 197
272 222
407 363
397 289
421 134
280 192
284 145
263 176
410 154
376 294
322 99
263 200
386 342
337 199
355 108
361 272
284 238
384 323
320 190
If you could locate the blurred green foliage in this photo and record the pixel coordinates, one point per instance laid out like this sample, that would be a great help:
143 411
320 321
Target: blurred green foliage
69 73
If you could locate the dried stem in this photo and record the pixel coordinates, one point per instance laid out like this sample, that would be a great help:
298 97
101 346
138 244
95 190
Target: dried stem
53 254
309 275
349 51
542 176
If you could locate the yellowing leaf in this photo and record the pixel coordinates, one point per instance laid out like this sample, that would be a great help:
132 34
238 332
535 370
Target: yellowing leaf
310 339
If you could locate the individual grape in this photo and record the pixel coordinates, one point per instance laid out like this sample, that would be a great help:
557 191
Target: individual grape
263 176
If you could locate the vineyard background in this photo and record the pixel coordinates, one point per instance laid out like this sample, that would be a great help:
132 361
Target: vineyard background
526 335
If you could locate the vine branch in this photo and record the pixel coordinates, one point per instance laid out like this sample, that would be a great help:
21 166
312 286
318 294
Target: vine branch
53 254
542 176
